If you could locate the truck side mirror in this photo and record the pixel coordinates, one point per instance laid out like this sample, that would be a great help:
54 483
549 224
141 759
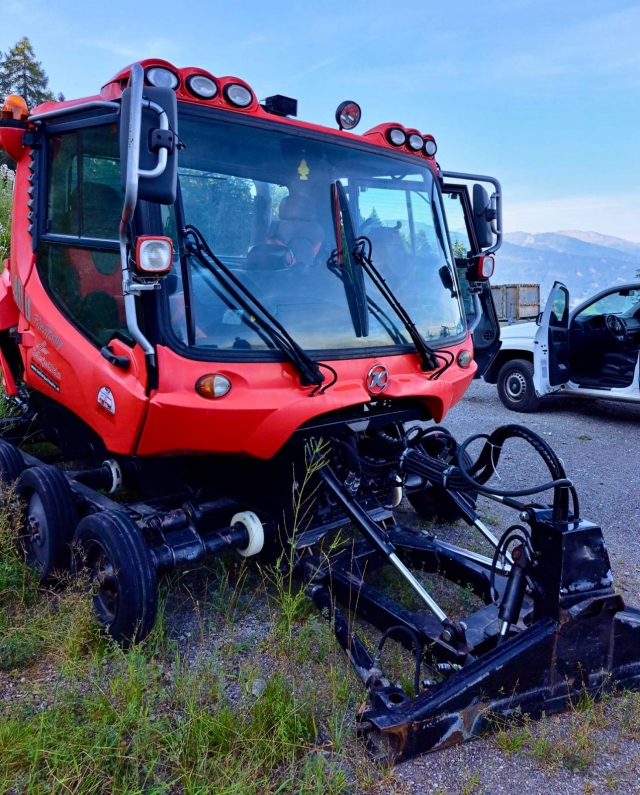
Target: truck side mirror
158 139
483 216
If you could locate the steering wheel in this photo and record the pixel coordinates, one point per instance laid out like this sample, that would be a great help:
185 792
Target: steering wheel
617 327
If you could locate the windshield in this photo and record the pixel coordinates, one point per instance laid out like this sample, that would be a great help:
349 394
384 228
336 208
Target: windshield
262 200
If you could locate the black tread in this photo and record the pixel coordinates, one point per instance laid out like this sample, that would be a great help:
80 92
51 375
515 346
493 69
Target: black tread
11 462
129 554
54 490
530 401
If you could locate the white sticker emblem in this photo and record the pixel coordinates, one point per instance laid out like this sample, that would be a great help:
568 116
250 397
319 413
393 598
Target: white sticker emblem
106 400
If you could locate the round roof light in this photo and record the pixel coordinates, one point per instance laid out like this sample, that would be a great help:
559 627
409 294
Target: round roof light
396 136
238 95
160 77
415 142
202 86
430 147
348 115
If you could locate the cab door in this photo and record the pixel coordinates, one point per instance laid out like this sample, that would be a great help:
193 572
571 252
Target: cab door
480 311
75 343
551 345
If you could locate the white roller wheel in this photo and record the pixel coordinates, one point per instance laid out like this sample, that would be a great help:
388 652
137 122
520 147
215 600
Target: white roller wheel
254 527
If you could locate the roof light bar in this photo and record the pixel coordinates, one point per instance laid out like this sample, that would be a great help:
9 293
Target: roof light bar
160 77
430 147
238 95
396 136
202 86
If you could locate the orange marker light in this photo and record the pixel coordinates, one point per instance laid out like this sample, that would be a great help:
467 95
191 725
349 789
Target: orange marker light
213 386
14 107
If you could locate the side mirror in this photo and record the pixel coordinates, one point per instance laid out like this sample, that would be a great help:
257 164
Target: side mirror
538 318
483 215
447 280
158 184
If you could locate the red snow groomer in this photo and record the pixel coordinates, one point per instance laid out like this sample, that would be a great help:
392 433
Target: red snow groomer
207 298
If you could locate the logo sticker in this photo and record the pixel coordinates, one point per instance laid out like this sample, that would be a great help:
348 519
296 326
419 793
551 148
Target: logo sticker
44 377
48 332
106 401
377 379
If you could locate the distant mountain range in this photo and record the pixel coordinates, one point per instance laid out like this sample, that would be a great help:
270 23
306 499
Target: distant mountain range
586 262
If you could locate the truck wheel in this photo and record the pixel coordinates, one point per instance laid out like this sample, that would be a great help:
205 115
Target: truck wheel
433 503
515 386
11 462
49 519
109 547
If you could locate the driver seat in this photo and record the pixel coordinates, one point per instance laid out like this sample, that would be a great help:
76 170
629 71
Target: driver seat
620 364
298 228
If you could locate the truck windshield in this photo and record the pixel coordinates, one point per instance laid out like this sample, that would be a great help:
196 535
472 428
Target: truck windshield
262 200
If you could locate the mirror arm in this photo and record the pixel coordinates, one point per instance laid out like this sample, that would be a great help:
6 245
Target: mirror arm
496 225
163 154
130 200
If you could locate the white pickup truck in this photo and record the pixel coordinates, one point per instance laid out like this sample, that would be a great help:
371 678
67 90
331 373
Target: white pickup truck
592 352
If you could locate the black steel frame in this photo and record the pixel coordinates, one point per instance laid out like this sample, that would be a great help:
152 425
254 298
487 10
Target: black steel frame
557 630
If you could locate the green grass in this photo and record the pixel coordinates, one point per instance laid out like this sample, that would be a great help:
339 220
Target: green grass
79 715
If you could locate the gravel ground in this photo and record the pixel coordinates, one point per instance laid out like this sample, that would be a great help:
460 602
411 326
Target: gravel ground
598 442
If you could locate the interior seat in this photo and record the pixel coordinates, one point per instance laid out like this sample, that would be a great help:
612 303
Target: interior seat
620 364
298 227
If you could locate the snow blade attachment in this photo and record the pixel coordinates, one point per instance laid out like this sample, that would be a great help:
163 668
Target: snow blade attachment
552 628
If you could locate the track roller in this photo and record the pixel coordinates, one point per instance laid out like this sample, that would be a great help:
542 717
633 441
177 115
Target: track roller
49 519
109 547
11 462
253 526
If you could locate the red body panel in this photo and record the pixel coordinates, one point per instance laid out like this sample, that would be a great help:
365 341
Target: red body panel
62 364
266 403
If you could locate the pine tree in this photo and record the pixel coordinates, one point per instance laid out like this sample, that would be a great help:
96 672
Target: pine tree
21 74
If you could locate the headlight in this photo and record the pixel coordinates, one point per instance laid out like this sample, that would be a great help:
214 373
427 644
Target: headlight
415 142
430 147
202 86
396 136
465 358
154 255
162 78
238 95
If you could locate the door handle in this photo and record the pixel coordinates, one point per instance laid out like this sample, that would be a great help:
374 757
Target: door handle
117 361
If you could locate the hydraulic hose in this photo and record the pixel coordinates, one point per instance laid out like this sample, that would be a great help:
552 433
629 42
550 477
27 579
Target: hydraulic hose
463 478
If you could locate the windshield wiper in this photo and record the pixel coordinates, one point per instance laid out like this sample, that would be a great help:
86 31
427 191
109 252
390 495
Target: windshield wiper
341 261
428 357
360 250
308 368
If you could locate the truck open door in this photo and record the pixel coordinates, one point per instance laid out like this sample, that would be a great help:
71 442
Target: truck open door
551 346
482 319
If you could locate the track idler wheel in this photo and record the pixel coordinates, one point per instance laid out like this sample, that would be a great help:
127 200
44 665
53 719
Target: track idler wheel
110 549
49 520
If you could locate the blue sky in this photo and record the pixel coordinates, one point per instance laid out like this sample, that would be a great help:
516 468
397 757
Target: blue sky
543 94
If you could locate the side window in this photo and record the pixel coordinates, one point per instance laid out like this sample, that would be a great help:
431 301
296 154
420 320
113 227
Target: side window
456 221
84 198
457 225
78 256
559 309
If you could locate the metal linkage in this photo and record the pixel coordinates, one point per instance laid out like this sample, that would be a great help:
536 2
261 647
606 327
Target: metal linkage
552 627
